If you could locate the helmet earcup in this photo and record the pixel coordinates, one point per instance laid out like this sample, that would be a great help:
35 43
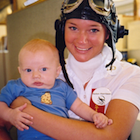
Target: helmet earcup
121 31
59 36
60 45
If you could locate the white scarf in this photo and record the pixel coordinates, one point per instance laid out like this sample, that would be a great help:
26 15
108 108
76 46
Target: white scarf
85 70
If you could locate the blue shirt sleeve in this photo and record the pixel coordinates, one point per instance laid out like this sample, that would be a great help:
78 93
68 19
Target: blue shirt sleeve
11 91
70 96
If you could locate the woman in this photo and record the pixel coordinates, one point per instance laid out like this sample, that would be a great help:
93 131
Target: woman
90 29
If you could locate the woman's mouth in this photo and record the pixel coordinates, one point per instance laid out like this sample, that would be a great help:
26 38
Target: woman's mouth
82 49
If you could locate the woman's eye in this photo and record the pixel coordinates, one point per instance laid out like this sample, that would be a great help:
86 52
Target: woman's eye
94 30
28 70
44 69
73 28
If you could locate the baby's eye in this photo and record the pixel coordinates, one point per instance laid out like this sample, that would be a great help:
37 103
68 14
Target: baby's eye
28 70
44 69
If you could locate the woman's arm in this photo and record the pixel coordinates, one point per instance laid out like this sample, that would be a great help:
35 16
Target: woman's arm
121 112
4 128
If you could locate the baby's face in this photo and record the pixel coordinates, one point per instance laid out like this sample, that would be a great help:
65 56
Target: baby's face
38 69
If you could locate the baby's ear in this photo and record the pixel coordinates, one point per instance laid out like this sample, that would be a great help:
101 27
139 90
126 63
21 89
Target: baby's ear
58 71
18 69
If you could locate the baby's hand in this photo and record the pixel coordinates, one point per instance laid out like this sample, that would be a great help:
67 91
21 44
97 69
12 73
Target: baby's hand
101 121
19 119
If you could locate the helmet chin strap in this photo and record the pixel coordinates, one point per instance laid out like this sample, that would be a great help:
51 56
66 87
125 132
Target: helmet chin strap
121 31
60 45
112 43
111 63
62 62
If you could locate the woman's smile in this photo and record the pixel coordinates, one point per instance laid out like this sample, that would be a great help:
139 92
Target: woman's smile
82 49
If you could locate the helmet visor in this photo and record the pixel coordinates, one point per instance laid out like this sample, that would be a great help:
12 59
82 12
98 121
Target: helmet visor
101 7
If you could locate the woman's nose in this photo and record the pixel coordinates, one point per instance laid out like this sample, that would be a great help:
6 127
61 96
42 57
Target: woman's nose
82 37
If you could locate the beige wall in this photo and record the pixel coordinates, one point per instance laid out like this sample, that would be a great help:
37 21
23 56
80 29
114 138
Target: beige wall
3 68
36 21
2 79
134 40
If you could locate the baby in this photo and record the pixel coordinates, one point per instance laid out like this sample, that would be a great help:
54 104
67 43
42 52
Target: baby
39 68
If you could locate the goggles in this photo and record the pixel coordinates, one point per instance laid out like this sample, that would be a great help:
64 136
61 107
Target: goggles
102 7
